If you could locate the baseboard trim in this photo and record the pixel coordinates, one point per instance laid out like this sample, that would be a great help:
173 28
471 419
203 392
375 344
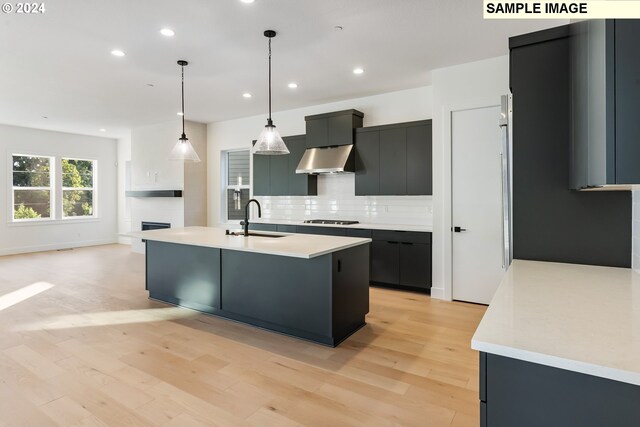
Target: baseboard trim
437 293
56 246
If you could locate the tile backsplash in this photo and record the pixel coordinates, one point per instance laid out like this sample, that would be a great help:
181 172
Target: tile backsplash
336 199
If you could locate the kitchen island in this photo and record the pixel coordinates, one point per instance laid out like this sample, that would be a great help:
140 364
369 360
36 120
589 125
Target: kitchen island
307 286
560 346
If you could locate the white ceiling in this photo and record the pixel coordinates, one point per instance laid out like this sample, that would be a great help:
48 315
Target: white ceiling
59 65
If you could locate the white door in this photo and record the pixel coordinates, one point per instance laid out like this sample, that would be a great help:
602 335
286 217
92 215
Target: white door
476 169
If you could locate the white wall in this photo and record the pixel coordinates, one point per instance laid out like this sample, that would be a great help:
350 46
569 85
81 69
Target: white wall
30 237
393 107
124 183
151 169
461 87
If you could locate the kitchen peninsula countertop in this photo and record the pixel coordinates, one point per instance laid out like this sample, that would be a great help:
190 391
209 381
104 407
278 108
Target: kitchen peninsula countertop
580 318
291 245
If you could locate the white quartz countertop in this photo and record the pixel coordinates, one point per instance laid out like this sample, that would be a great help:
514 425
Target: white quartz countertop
576 317
365 225
291 245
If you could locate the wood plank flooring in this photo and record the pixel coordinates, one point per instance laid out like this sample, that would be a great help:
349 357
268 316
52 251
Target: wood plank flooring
81 345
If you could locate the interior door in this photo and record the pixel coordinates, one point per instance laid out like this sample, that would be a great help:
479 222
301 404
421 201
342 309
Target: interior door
477 258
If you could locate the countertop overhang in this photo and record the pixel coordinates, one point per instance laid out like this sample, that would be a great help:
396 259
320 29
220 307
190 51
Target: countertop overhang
291 245
576 317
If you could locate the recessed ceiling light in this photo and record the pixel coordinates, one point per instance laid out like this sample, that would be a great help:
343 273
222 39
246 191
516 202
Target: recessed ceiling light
167 32
117 52
293 85
102 130
358 70
246 95
180 113
247 1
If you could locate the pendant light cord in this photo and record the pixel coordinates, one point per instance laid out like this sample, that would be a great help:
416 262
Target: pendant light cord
269 81
182 66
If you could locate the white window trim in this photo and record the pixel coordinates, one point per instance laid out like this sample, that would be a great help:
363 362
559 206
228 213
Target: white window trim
51 188
224 169
56 216
94 189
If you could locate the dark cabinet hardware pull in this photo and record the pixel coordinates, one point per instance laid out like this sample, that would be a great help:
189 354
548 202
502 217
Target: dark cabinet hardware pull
407 243
459 229
393 243
339 265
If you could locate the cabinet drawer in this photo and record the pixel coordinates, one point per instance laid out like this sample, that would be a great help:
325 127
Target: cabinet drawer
358 232
402 236
263 227
415 265
325 231
287 228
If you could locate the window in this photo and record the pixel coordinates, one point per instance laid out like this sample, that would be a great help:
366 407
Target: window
77 187
32 187
47 188
236 183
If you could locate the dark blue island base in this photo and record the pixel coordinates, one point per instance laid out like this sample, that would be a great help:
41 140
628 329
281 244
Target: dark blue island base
323 299
524 394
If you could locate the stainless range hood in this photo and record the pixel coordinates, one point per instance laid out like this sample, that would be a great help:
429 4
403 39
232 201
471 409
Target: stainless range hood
337 159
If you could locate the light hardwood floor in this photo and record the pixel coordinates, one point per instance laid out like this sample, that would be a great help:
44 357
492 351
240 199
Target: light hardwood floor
81 345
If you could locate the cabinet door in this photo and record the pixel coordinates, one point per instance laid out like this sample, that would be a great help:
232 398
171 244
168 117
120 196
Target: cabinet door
393 161
367 163
419 164
279 176
627 90
287 228
317 132
261 175
415 265
385 262
340 130
262 227
299 184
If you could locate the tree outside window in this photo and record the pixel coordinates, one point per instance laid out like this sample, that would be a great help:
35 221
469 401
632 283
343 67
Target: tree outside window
77 187
32 187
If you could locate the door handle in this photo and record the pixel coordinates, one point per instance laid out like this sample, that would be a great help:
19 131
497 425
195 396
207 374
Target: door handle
458 229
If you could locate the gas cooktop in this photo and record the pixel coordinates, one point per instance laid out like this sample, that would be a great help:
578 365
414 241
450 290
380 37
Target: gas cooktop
330 221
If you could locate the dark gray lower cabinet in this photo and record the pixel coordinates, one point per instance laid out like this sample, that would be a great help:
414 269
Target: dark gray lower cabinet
385 262
184 275
524 394
397 258
415 265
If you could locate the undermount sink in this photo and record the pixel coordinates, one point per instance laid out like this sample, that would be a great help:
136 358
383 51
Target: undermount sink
255 234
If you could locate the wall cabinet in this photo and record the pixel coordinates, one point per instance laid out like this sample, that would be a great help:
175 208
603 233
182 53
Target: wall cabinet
605 103
336 128
276 175
394 159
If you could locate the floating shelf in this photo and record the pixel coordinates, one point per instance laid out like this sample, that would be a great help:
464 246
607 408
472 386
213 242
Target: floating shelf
154 193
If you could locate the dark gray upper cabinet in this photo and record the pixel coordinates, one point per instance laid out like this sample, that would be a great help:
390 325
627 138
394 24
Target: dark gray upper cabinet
605 102
276 175
367 163
419 160
394 159
261 175
337 128
299 184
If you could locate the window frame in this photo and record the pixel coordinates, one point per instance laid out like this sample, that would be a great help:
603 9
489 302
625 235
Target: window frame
93 189
56 190
51 188
226 186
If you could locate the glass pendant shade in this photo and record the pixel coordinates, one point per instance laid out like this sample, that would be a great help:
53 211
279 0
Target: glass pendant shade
270 142
184 151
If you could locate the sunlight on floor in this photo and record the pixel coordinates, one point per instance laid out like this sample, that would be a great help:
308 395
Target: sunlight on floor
107 318
15 297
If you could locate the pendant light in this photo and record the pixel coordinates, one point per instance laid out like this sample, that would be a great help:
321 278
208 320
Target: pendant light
269 142
183 150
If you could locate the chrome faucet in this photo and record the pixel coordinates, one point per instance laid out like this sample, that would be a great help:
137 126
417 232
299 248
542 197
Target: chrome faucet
246 215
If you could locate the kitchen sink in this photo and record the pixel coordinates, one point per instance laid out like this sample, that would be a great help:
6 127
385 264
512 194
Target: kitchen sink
241 234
